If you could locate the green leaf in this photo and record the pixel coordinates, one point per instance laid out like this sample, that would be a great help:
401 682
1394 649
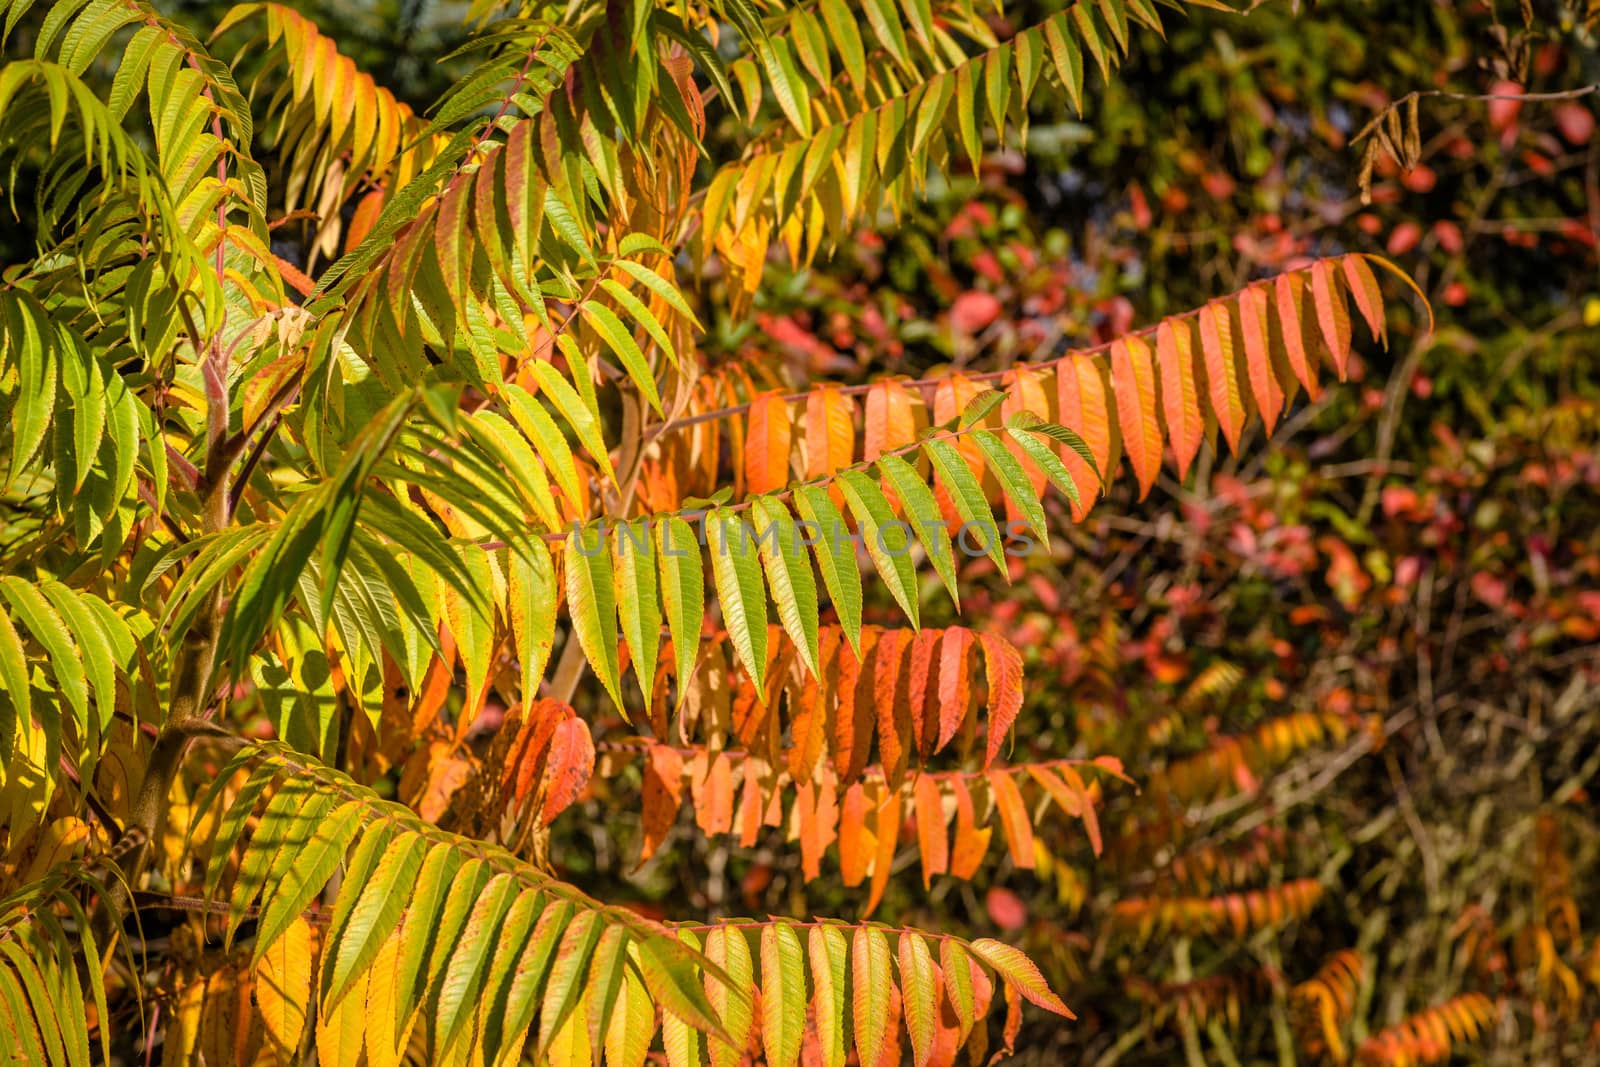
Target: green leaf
368 911
739 590
918 994
978 408
683 592
636 599
287 821
14 682
839 573
1014 480
48 629
672 972
642 315
312 866
548 440
439 867
965 492
590 603
584 421
847 39
565 985
871 509
828 954
527 981
783 994
727 948
622 344
872 981
533 601
794 590
922 510
953 961
660 286
515 935
231 825
1048 461
463 975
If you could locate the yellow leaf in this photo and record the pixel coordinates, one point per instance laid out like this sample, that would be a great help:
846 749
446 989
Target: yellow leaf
283 985
339 1031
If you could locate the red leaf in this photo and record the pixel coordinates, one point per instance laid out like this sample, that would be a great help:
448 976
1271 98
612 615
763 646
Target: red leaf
571 764
973 310
1006 909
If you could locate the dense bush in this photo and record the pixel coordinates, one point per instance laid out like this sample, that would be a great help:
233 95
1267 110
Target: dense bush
348 714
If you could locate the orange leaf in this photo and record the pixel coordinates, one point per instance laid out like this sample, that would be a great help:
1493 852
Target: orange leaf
857 845
891 422
752 803
932 842
766 447
972 842
1222 371
853 719
886 828
1369 298
1013 818
924 727
830 431
1134 380
1291 312
713 794
955 683
571 764
662 796
817 807
1072 797
529 755
1180 399
888 690
1003 665
1083 408
1091 821
366 213
1333 314
1258 355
